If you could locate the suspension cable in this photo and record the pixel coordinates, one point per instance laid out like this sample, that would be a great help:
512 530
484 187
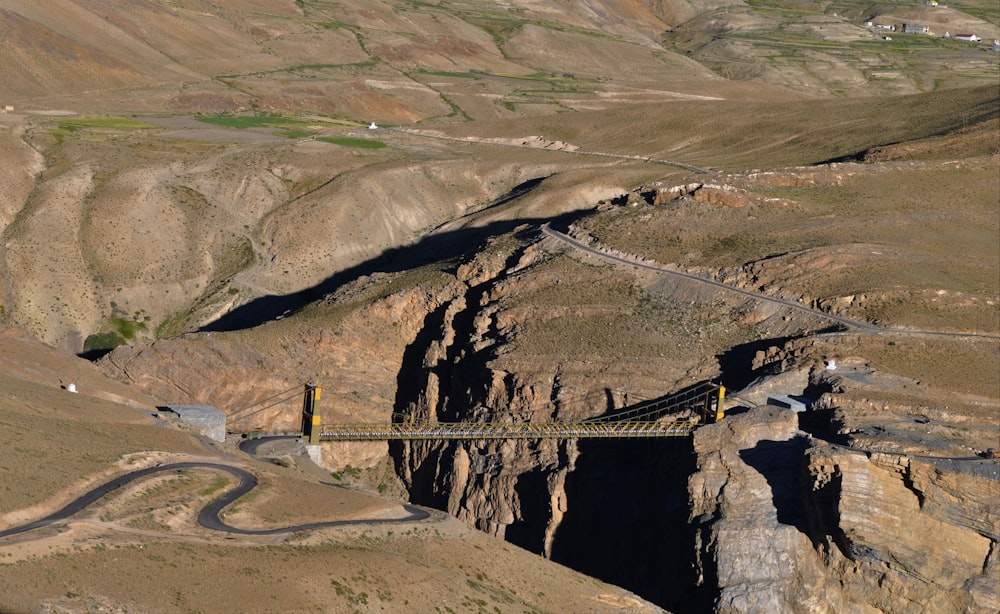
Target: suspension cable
254 413
242 409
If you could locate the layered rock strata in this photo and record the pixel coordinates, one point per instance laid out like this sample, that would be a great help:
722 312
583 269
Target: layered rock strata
787 523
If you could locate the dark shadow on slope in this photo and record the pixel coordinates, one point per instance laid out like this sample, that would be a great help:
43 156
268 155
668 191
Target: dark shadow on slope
528 529
780 462
458 376
627 520
95 355
438 247
821 506
420 460
735 363
858 156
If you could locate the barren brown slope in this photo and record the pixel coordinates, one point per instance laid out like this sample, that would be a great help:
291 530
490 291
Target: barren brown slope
398 62
151 228
175 227
299 56
762 131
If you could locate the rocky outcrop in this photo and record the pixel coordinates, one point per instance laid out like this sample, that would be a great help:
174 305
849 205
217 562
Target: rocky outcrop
908 530
746 505
502 488
787 523
721 194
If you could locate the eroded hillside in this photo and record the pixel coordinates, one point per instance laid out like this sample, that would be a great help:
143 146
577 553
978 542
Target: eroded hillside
507 212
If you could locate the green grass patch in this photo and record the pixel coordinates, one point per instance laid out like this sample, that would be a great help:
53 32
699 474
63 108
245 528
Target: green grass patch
217 484
335 25
302 67
253 121
987 10
545 77
125 328
345 141
107 123
457 75
102 341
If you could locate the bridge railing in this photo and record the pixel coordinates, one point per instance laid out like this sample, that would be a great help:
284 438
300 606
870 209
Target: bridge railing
498 430
701 402
703 399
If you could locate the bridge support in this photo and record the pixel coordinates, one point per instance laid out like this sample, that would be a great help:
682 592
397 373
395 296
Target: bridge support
720 403
310 415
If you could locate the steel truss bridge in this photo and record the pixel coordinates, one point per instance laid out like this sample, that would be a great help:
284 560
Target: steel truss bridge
674 415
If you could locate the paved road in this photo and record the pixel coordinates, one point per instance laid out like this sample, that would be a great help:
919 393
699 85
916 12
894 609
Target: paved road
848 322
249 446
209 515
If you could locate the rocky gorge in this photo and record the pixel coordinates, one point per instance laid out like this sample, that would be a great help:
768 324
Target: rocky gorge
507 212
755 513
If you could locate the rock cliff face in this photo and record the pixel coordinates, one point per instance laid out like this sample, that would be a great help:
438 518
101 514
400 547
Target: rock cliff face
787 523
513 489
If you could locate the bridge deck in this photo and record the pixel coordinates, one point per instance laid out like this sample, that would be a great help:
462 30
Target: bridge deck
495 430
675 415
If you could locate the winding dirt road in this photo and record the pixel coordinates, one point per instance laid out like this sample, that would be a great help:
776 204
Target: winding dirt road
209 515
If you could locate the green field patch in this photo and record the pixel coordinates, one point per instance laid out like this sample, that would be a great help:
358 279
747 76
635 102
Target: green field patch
986 10
108 123
301 67
456 75
904 44
335 25
345 141
254 121
67 127
125 327
780 40
545 77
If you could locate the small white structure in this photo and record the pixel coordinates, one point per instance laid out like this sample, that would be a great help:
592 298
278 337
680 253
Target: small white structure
831 365
970 38
210 421
785 402
372 126
916 28
8 108
71 387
